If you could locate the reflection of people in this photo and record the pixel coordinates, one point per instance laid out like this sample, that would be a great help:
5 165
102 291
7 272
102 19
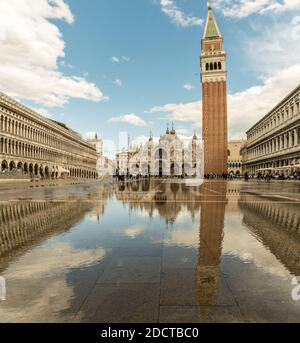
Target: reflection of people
2 289
213 202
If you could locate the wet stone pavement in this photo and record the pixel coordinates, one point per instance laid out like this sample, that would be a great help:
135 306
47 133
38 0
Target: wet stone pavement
151 251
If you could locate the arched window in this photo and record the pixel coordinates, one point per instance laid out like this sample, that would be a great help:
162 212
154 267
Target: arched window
220 65
207 66
215 66
211 66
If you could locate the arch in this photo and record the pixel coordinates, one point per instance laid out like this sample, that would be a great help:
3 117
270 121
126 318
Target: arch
207 66
211 66
219 65
4 165
31 168
47 174
12 166
36 169
161 154
25 167
20 166
215 66
41 171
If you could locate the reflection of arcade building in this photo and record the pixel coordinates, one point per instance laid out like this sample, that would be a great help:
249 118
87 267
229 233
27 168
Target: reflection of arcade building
279 228
169 157
24 224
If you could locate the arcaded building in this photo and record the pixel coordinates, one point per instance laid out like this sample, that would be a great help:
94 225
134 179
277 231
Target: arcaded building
273 143
214 98
34 146
235 148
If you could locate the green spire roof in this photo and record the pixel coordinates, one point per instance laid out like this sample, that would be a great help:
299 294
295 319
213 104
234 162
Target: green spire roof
211 27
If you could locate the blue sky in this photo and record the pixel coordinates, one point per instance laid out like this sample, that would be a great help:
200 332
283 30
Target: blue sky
132 65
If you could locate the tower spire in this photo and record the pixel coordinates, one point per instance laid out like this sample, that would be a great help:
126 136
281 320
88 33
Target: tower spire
211 27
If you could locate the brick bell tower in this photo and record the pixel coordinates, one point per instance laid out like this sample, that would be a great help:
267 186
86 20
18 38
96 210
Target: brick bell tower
214 98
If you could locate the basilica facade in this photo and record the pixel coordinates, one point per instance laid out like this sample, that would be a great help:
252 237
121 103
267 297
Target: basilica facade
170 156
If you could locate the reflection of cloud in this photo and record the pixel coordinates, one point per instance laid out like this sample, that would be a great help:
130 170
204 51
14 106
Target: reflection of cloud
47 261
239 242
38 290
134 231
185 217
188 237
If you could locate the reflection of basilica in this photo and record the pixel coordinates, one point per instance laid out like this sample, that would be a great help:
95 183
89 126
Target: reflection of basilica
169 199
23 224
277 226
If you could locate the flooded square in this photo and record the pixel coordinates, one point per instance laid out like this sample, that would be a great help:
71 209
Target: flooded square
151 251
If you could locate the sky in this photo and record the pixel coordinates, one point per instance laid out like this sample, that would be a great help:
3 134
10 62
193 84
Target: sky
113 66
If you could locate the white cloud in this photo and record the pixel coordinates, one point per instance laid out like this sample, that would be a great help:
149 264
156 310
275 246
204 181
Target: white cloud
188 87
115 59
118 83
32 48
132 119
180 112
244 8
119 59
142 140
184 131
270 49
42 111
90 135
177 16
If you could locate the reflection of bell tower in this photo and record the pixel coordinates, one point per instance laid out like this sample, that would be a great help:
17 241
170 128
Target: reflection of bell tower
214 98
213 202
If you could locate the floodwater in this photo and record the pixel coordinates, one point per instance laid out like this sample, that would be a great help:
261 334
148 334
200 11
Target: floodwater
151 251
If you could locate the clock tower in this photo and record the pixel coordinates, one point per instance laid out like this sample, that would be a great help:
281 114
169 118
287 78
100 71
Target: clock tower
214 98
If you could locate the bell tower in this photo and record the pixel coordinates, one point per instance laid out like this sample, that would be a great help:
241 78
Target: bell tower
214 98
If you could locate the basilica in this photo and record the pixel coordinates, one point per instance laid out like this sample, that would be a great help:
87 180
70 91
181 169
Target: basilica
169 156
